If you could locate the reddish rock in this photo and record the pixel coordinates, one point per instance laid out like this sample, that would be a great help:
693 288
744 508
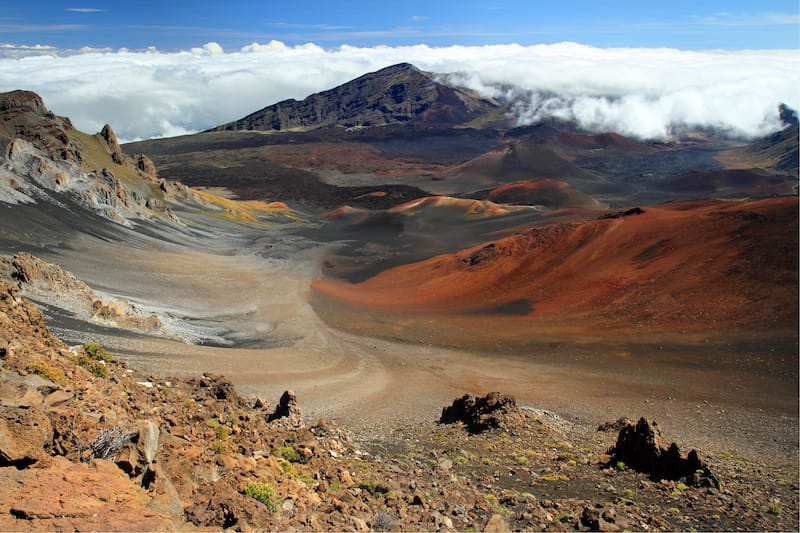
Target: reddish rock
25 429
67 496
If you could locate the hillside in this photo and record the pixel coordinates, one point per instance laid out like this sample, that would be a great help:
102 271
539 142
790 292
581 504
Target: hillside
681 267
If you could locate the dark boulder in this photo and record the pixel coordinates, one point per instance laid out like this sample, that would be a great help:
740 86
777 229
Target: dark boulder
479 414
641 447
287 412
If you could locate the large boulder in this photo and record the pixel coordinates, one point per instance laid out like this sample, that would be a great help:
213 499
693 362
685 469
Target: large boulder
25 429
479 414
640 446
67 496
287 412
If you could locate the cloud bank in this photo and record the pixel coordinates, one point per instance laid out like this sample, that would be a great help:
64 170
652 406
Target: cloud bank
646 93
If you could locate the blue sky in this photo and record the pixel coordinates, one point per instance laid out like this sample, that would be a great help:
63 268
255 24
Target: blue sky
180 25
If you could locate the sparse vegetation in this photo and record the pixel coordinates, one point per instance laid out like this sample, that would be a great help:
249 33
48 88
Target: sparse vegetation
263 493
222 431
774 508
289 453
217 447
46 371
555 476
109 442
95 367
93 358
372 488
95 352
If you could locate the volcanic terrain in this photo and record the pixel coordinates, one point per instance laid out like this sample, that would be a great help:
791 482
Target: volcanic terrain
380 249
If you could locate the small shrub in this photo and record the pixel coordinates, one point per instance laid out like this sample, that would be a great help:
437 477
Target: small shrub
288 468
222 431
218 448
522 461
774 508
373 488
109 442
95 352
95 367
621 466
555 477
46 371
289 453
681 486
564 517
627 493
263 493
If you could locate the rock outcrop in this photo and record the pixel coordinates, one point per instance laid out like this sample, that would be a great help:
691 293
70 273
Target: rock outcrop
25 429
24 115
640 446
287 413
482 413
64 495
41 154
51 284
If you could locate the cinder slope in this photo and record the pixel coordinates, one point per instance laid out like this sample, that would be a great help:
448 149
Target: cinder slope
692 266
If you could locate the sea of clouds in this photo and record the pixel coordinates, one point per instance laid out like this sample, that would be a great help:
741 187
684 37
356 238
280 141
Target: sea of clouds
644 93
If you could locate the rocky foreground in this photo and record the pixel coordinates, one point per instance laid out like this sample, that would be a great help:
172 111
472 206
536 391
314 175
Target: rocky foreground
87 443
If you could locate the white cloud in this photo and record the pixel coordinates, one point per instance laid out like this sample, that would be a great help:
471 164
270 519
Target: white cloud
208 49
84 10
642 92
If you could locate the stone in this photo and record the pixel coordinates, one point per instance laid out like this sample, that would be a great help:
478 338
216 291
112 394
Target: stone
58 397
641 447
165 497
65 496
25 429
496 524
287 412
479 414
147 441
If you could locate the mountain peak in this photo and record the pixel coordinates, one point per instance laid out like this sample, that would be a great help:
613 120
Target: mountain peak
399 93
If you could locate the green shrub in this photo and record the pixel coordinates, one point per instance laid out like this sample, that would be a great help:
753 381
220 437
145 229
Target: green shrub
555 477
46 371
372 488
222 431
263 493
95 352
289 453
218 448
95 367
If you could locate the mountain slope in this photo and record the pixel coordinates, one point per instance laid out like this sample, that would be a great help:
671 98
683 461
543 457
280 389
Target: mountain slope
396 94
689 266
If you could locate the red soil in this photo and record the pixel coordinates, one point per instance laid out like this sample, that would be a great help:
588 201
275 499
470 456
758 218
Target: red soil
678 267
545 191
